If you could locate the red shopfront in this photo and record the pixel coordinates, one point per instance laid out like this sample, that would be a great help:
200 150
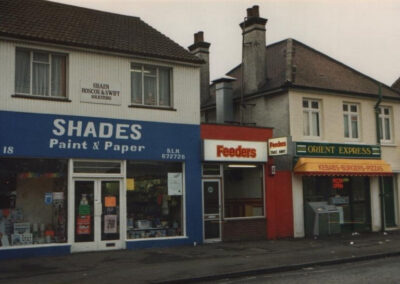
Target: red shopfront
243 197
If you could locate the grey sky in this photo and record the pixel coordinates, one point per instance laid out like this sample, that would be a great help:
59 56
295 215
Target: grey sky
363 34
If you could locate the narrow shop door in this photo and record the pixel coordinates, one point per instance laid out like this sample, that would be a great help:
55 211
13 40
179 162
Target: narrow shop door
389 202
212 210
97 216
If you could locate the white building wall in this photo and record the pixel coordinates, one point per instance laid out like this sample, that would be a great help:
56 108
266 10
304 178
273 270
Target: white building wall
84 69
298 206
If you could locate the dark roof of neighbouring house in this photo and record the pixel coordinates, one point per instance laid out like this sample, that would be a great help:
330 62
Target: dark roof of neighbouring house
309 69
396 85
50 22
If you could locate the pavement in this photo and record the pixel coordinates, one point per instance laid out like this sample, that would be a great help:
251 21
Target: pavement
201 263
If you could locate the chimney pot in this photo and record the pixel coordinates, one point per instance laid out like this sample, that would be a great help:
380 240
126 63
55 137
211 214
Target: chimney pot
253 12
198 37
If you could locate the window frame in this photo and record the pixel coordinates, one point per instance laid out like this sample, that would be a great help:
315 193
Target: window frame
157 77
381 117
309 110
351 114
50 55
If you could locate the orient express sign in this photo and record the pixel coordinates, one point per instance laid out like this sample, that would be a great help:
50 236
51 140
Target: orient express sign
337 150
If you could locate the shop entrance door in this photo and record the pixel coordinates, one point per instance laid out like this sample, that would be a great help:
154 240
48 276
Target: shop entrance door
390 220
97 214
211 210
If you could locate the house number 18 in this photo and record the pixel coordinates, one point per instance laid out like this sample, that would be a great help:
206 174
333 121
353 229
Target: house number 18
8 150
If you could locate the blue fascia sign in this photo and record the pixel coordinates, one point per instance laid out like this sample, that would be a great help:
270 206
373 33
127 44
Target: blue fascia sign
66 136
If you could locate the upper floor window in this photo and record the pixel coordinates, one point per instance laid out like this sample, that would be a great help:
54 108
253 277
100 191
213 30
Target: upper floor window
40 73
311 118
351 120
151 85
385 124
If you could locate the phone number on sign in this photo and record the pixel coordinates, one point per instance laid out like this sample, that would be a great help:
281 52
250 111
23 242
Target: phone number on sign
173 156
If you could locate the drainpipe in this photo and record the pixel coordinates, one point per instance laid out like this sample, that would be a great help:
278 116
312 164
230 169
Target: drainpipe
378 142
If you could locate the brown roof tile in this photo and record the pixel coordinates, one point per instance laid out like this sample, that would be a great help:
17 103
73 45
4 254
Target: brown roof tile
51 22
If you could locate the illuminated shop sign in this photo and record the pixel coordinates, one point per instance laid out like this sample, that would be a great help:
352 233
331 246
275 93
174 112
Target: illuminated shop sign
46 135
231 150
337 150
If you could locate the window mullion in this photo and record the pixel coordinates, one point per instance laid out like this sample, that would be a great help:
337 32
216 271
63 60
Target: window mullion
31 73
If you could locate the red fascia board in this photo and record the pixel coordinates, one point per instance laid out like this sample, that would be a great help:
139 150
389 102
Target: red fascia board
232 132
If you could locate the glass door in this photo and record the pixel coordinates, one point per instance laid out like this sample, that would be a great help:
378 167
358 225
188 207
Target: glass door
97 215
212 210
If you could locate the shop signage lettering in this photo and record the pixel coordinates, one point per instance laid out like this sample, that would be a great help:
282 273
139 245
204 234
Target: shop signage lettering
102 130
236 152
337 150
232 150
350 168
277 146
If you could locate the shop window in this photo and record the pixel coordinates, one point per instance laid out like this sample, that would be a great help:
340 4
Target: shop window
151 85
243 191
154 200
385 124
351 121
211 170
311 118
40 73
33 206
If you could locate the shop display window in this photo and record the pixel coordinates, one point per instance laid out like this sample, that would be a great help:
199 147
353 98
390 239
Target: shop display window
154 200
33 206
243 191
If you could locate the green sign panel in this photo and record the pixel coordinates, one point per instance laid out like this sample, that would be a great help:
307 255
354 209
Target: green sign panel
337 150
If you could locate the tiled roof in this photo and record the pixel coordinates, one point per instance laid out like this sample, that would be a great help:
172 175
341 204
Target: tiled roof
310 69
396 85
50 22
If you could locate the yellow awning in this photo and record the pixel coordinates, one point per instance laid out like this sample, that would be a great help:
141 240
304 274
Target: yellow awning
342 167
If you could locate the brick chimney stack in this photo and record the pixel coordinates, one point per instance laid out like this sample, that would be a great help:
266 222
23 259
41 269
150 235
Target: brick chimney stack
254 66
200 48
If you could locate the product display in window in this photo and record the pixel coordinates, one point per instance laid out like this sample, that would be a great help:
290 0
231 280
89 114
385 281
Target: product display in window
32 202
154 200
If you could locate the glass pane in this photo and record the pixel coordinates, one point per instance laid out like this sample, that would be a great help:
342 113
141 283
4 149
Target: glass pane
97 167
33 201
211 197
41 57
150 91
22 72
305 103
243 192
345 107
353 108
110 210
84 211
150 71
40 79
154 197
387 129
354 127
315 124
136 87
211 170
164 87
380 128
314 104
346 126
386 111
58 76
306 124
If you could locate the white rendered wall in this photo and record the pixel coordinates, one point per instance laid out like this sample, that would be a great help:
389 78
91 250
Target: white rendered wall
298 206
86 68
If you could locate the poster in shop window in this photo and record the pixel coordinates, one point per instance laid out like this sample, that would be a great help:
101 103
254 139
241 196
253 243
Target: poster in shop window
110 224
175 184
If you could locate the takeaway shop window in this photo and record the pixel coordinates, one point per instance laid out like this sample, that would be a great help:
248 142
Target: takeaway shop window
40 73
33 206
154 200
151 85
243 191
